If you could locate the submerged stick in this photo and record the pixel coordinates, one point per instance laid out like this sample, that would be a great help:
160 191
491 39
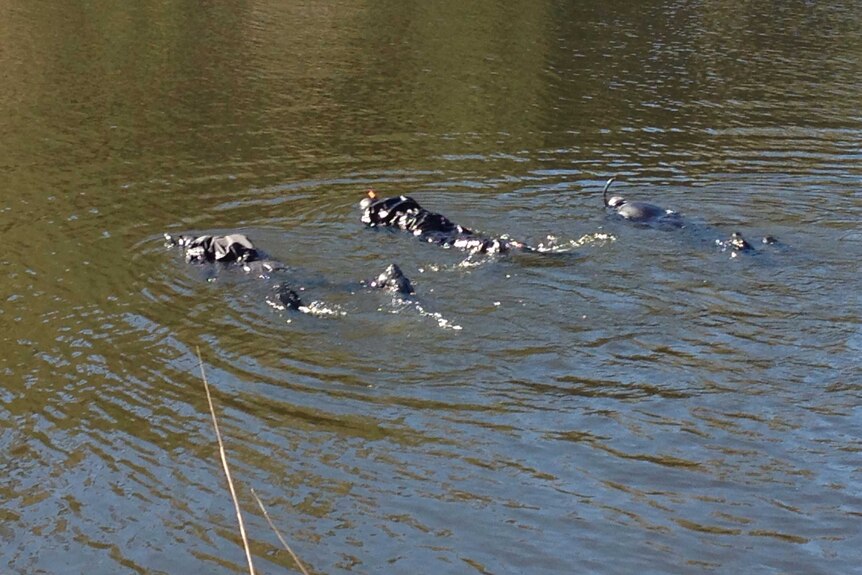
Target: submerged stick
226 468
278 534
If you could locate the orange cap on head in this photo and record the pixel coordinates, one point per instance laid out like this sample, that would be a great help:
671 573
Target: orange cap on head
371 193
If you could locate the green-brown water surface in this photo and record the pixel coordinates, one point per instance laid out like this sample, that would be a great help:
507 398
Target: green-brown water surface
636 402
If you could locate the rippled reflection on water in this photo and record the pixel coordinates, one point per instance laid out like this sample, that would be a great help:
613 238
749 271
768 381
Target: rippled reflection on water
635 400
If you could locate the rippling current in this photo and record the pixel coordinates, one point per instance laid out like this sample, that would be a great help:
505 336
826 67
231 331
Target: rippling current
635 400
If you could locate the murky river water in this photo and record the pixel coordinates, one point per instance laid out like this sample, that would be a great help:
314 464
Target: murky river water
639 402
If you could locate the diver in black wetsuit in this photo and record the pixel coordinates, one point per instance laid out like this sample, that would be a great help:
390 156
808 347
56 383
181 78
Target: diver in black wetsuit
406 214
647 213
239 249
641 212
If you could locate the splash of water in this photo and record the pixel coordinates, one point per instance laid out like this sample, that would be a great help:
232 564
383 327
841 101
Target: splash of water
552 244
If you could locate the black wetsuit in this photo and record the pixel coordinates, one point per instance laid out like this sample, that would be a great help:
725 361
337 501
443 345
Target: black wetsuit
406 214
237 248
226 249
